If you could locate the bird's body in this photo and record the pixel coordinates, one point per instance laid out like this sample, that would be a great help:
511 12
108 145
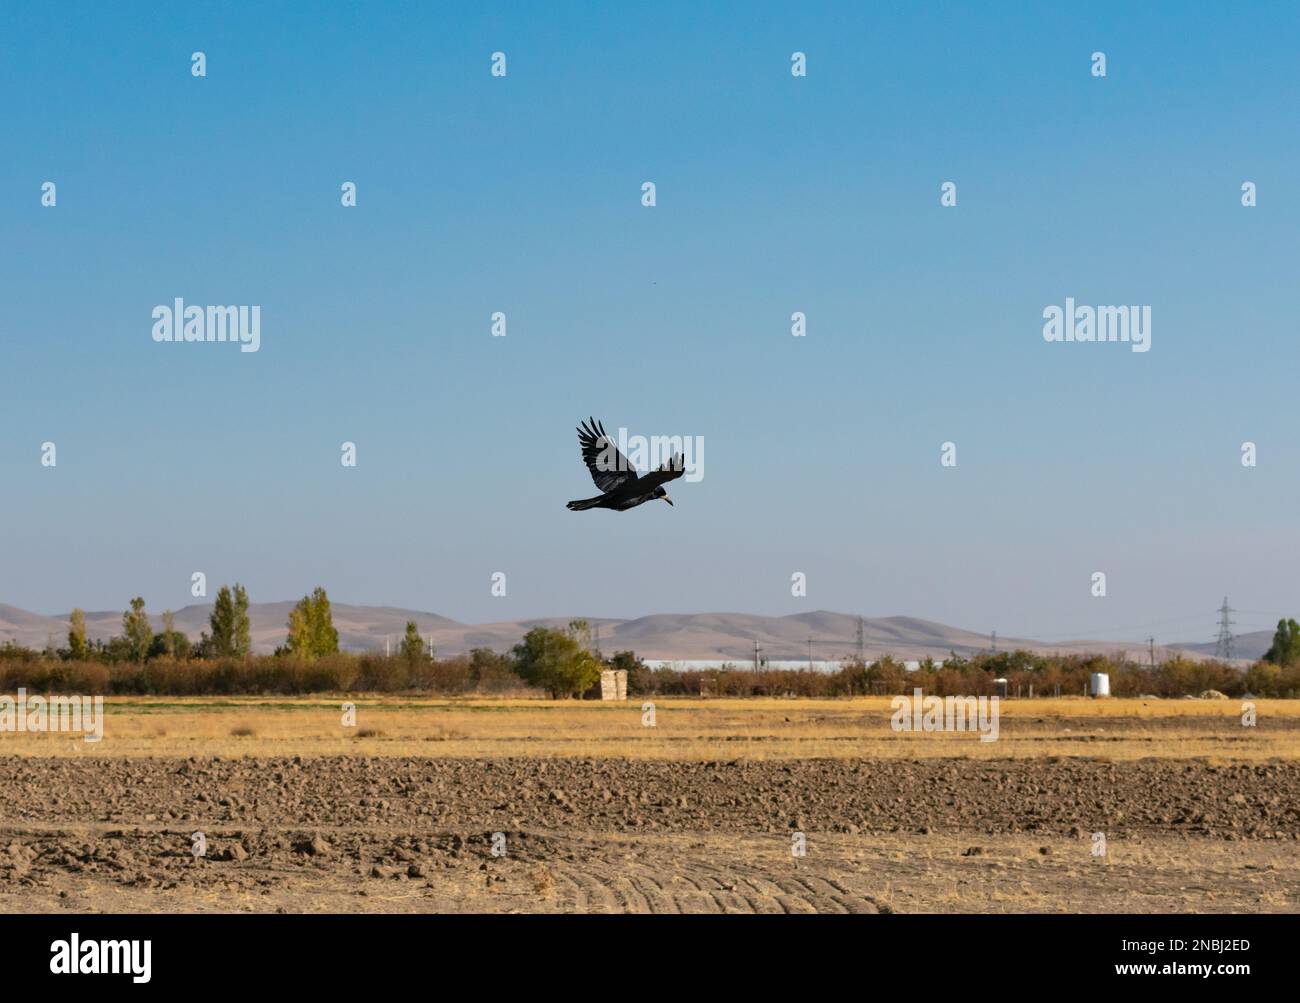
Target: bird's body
617 500
617 479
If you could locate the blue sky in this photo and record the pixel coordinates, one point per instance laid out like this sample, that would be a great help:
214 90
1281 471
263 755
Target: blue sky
775 194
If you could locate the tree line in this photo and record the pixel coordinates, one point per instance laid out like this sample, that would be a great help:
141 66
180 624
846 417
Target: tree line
562 663
140 660
310 633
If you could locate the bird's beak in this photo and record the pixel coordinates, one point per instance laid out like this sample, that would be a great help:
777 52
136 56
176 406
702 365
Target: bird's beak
668 500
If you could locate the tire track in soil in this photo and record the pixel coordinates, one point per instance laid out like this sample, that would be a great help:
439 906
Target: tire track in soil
693 837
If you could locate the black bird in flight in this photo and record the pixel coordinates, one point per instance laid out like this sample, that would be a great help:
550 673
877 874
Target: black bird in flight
616 477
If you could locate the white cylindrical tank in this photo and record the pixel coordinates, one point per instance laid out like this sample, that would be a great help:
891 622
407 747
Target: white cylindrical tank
1100 684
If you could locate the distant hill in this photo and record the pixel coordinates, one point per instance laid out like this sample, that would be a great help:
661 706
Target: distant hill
680 636
1244 646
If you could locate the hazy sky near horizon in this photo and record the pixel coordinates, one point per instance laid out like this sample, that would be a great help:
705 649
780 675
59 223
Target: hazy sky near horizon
775 194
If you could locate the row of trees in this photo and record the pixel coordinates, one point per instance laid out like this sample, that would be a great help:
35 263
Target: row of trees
230 637
957 676
559 662
311 633
1285 649
562 663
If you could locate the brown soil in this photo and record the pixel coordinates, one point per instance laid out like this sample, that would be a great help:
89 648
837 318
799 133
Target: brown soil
400 834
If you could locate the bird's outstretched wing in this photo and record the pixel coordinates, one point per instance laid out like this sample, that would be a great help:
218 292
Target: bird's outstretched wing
609 468
670 471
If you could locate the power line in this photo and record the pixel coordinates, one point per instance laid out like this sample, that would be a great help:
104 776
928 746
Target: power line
1223 643
1076 634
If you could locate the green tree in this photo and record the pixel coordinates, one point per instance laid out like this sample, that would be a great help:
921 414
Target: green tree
489 670
136 631
627 661
77 635
324 638
556 661
639 677
243 633
412 645
299 640
171 642
1286 644
222 621
311 628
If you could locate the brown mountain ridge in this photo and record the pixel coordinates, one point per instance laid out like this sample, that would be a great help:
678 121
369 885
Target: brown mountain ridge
670 636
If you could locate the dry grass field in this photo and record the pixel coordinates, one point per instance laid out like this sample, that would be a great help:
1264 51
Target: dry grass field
511 805
684 729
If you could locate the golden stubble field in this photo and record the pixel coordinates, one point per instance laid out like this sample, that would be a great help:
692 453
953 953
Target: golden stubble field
530 805
683 729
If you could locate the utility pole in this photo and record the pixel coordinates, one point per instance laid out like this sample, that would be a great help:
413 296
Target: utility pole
995 642
1223 643
810 654
598 641
862 644
1151 647
756 650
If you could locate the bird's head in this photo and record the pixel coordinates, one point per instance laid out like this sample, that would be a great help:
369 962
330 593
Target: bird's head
661 493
